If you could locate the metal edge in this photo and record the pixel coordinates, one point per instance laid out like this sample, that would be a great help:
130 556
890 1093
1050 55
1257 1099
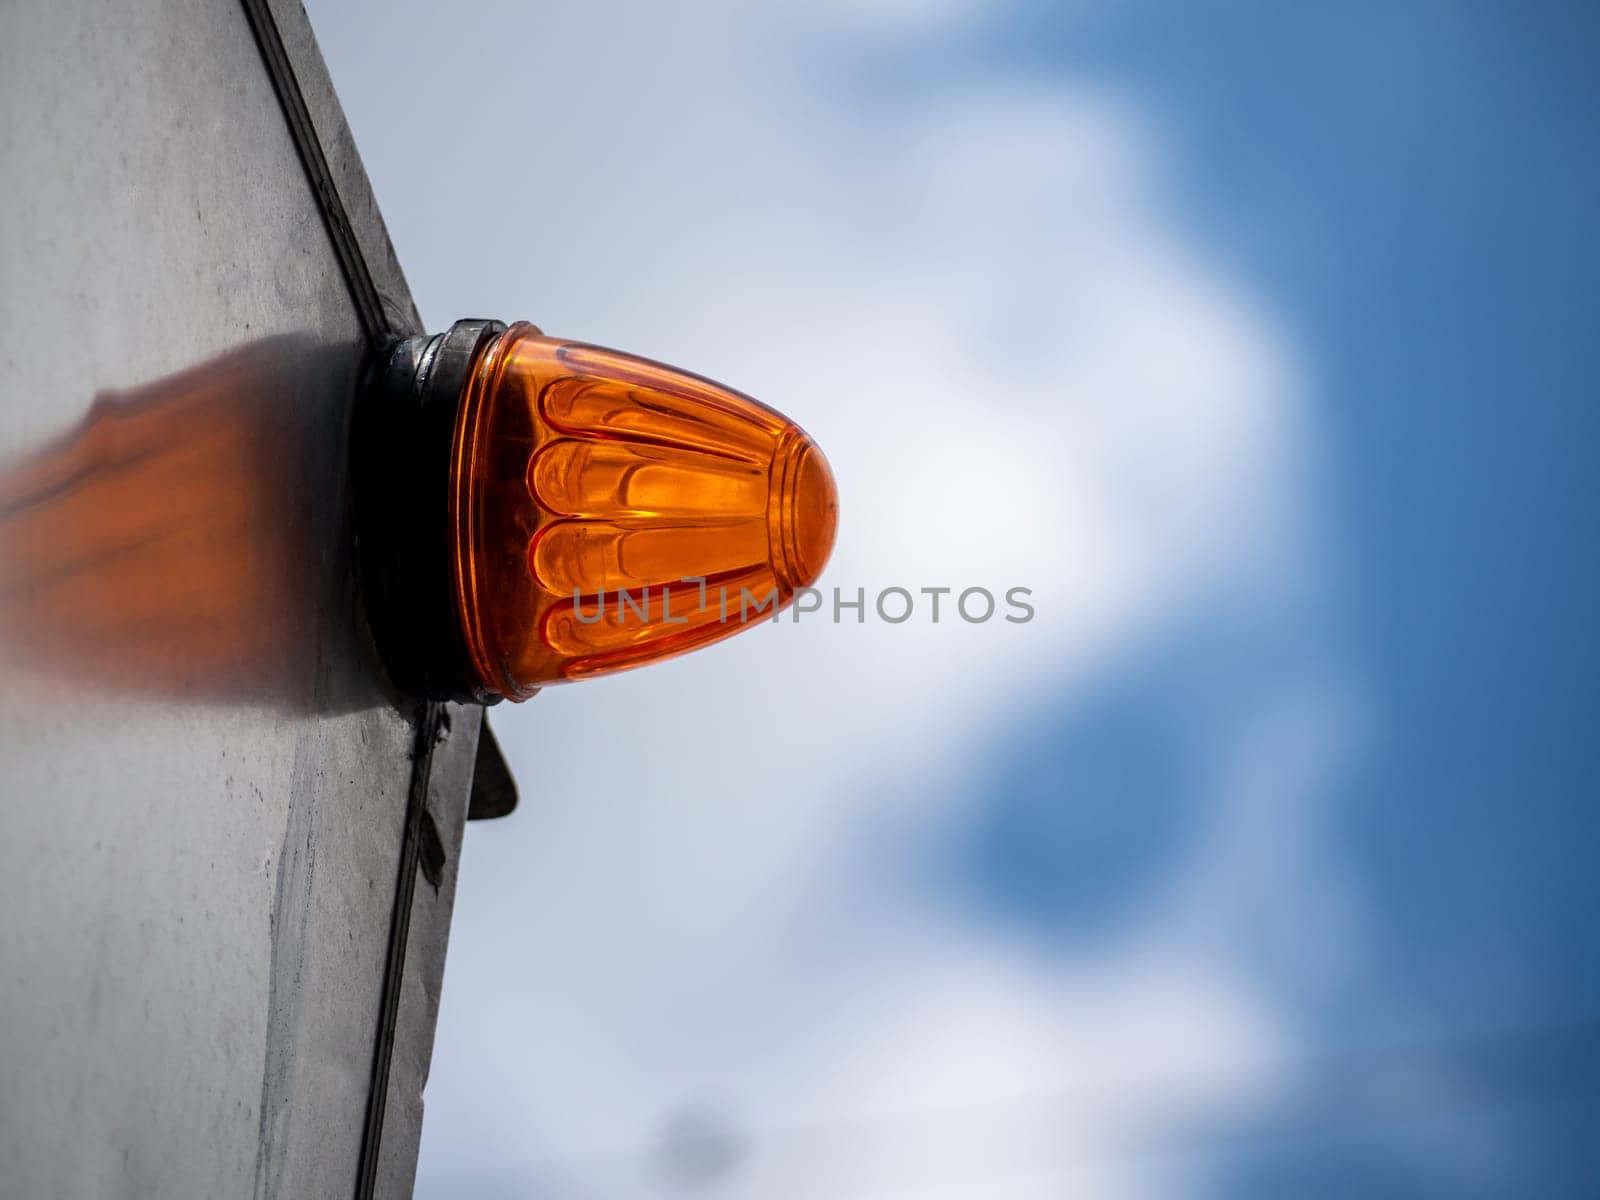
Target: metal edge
344 178
431 719
417 1019
385 307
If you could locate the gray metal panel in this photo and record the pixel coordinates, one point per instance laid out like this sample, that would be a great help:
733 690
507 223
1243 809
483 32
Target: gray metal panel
424 969
204 779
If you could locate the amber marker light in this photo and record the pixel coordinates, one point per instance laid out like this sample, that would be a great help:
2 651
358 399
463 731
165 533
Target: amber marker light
530 509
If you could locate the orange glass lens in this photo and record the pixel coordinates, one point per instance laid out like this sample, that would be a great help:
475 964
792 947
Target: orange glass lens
609 511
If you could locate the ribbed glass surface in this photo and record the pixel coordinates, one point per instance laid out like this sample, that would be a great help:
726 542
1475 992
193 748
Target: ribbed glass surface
589 485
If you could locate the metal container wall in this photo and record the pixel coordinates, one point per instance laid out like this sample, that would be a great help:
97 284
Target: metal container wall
204 777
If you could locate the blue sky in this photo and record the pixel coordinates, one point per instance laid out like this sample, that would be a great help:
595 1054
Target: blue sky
1412 189
1258 341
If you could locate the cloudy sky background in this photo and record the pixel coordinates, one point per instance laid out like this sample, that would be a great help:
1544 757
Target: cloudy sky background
1259 345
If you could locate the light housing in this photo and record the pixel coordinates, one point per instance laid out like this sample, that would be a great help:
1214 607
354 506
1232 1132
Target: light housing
534 511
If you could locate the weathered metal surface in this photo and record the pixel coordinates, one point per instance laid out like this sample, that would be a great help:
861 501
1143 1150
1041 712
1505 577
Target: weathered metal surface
433 900
203 775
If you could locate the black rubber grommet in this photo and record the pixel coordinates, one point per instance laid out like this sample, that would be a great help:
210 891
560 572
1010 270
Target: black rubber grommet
400 469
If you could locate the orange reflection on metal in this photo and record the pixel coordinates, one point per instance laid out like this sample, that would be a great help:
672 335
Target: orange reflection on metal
169 544
588 485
